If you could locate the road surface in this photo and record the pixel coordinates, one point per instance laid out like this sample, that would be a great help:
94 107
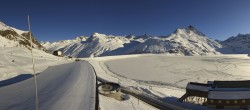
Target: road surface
65 87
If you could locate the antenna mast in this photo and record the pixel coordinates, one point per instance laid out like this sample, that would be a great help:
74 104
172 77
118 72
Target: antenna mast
33 62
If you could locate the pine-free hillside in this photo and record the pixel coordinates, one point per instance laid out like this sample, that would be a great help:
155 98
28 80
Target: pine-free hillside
11 37
239 44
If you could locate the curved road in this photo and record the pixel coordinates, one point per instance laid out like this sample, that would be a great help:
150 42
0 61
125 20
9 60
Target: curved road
65 87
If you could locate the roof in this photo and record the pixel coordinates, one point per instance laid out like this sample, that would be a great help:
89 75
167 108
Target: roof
199 87
229 95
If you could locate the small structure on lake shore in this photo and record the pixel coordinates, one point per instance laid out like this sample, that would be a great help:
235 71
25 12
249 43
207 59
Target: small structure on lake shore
111 89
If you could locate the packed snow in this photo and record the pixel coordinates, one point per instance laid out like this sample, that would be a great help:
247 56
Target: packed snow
107 103
7 43
69 86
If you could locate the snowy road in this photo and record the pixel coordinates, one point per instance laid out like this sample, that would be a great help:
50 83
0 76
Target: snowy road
65 87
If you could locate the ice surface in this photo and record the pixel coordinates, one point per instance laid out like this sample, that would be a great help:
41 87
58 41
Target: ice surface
177 71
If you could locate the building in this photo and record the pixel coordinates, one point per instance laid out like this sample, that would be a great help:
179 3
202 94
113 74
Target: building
229 99
110 89
196 92
219 94
58 53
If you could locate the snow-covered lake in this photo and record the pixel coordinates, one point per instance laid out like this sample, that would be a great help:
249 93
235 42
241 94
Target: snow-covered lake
167 75
177 71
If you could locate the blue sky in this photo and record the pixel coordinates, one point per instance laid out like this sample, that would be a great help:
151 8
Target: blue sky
53 20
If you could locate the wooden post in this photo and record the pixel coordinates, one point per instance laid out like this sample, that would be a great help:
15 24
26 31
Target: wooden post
33 62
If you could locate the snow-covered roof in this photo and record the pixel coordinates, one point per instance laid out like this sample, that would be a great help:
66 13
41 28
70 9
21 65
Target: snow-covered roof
229 95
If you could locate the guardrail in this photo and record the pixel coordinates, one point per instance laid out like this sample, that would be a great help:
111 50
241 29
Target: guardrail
147 98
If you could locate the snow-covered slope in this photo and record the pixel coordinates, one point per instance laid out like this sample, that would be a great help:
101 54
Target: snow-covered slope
185 41
95 45
15 56
62 44
239 44
10 37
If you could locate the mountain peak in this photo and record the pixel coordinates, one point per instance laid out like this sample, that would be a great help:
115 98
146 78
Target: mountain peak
191 27
3 26
95 34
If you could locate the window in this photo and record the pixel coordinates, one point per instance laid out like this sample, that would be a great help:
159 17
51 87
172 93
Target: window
235 101
243 101
219 101
211 101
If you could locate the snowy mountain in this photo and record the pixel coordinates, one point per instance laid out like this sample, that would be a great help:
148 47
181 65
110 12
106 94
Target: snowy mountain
12 37
239 44
184 41
62 44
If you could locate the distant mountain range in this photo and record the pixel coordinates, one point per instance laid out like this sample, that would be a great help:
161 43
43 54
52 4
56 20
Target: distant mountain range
184 41
239 44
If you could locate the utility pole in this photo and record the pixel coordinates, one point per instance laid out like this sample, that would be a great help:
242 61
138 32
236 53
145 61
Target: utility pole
33 62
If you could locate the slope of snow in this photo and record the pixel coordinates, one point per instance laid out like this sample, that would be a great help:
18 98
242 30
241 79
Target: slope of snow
185 41
62 44
7 43
4 27
19 36
20 32
95 45
17 60
239 44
